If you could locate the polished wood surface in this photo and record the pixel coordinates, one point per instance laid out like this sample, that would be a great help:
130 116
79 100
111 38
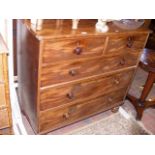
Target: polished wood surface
15 46
67 75
6 131
73 48
70 70
127 41
4 123
147 62
5 107
28 59
86 28
2 96
1 69
82 91
56 118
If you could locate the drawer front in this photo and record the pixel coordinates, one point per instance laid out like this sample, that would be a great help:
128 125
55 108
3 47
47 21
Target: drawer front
6 131
2 96
52 119
73 70
67 49
1 69
132 42
4 118
88 89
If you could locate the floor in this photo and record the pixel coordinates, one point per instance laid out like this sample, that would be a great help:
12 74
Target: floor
148 119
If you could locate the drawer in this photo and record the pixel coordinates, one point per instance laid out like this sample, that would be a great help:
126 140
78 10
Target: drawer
4 118
6 131
55 118
74 70
84 90
1 69
68 49
125 42
2 96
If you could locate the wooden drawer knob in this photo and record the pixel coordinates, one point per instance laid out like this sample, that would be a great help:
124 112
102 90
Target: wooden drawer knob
66 115
122 61
78 50
70 95
110 99
116 81
130 42
72 72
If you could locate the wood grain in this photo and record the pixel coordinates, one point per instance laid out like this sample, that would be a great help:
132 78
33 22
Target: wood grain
2 96
5 106
118 42
28 58
4 119
83 90
57 118
63 70
1 69
66 49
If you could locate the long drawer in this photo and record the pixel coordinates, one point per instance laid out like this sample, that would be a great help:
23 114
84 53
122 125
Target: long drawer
72 70
73 48
55 118
4 118
83 90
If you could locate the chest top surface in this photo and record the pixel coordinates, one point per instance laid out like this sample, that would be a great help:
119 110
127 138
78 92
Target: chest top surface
50 29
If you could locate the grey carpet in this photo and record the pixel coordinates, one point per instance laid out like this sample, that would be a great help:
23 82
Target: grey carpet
115 124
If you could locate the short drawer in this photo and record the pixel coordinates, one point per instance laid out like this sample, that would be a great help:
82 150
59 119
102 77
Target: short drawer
2 96
68 49
4 118
52 119
83 90
75 70
125 42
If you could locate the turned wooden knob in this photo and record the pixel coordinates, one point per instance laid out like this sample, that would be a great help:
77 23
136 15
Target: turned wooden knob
122 61
66 115
130 42
78 50
116 81
110 99
70 95
115 109
72 72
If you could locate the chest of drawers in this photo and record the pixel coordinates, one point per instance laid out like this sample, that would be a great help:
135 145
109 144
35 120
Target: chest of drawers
67 75
5 109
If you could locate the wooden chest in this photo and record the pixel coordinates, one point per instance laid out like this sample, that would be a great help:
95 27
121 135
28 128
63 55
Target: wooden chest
5 109
67 75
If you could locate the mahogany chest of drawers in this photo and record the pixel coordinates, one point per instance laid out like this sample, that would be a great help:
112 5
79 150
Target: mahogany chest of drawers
5 109
67 75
